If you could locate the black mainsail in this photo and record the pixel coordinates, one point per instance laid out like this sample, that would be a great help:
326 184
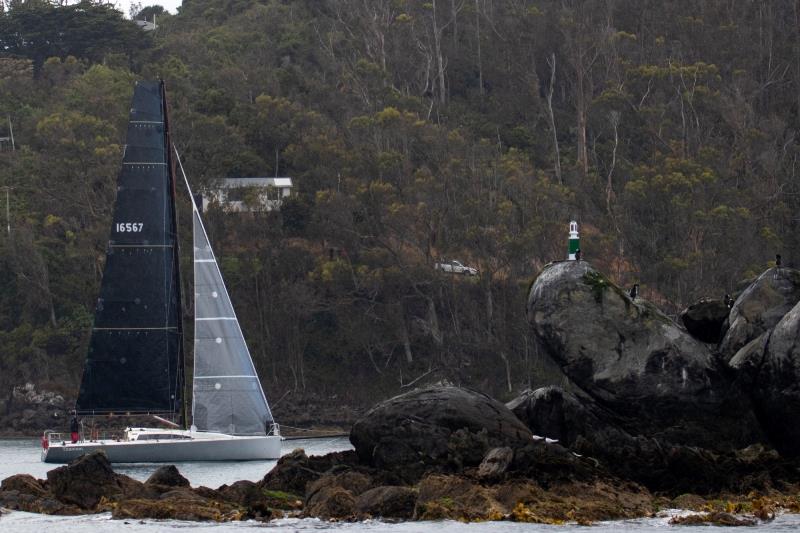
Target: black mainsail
135 360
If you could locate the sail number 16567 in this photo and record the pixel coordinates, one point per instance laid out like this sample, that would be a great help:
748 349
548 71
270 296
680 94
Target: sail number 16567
129 227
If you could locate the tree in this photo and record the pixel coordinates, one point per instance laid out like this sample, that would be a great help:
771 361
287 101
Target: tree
37 29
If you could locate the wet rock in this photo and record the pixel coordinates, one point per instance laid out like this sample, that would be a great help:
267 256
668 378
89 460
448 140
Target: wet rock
688 501
249 495
652 376
24 484
448 497
296 469
334 495
495 463
168 476
584 503
88 479
434 428
331 503
704 319
179 505
387 502
760 307
44 504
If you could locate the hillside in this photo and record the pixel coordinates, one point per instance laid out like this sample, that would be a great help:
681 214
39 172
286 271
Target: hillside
413 131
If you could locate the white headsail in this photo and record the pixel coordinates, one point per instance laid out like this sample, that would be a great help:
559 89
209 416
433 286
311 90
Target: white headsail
227 394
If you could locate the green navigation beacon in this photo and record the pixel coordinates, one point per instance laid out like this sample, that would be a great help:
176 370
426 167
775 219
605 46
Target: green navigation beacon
574 240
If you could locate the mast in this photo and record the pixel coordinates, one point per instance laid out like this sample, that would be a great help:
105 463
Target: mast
181 385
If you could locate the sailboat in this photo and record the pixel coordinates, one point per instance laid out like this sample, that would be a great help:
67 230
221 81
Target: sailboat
135 362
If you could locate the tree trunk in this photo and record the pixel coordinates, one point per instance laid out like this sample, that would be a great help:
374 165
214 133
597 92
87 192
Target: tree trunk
437 46
552 62
614 119
580 102
478 35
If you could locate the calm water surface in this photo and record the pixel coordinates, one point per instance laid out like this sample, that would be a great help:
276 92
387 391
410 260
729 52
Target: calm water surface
22 457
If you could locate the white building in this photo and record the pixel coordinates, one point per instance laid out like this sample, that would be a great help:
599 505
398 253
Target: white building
146 25
249 194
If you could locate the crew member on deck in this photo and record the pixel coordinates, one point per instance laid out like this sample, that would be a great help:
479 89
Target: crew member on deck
778 260
74 427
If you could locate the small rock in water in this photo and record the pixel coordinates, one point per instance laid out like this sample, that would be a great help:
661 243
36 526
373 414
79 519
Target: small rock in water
715 518
169 476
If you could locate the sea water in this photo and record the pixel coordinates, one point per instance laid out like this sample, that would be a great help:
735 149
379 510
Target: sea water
22 457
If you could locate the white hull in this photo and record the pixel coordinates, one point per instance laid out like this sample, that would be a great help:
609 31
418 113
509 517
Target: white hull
188 446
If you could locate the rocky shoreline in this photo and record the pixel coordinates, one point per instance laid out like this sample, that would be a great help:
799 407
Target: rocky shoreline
701 416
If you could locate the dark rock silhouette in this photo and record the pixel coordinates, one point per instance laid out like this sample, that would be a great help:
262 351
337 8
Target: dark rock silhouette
760 307
770 365
168 476
296 470
435 428
628 357
705 319
88 479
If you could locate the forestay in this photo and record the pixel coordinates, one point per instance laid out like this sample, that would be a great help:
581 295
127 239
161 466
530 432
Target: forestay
228 397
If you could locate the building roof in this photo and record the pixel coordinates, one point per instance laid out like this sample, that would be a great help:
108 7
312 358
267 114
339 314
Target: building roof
146 25
229 183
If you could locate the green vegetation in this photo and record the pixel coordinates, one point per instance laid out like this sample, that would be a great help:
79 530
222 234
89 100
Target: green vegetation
414 131
598 283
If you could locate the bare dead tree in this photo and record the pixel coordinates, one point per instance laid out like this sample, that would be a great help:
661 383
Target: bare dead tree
551 61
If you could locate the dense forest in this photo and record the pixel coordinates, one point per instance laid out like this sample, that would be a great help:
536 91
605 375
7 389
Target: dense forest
414 131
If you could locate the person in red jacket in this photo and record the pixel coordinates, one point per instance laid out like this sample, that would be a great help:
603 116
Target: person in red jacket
74 427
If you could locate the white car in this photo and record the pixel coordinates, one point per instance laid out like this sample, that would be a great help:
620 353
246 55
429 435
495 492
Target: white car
456 267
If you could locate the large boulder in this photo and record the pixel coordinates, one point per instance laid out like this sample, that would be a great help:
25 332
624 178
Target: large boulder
638 364
296 470
776 387
89 478
705 319
24 484
557 414
435 428
760 307
581 425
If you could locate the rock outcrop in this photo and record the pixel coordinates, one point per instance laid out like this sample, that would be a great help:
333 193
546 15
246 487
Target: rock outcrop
776 382
435 428
384 502
90 485
652 376
89 479
296 470
168 476
760 307
705 319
